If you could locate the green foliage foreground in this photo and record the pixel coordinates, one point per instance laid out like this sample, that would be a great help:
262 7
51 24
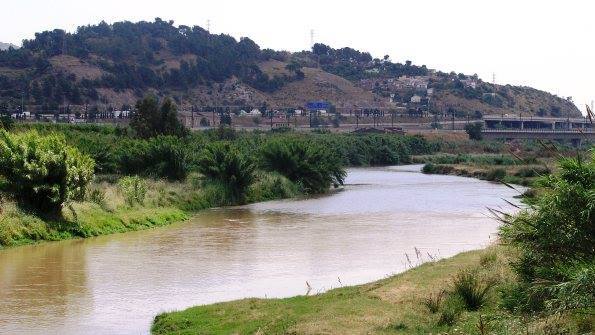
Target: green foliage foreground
42 171
556 238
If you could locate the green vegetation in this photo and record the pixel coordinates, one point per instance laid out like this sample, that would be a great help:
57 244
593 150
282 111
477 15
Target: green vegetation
474 130
396 305
224 164
42 171
128 55
509 168
151 120
556 241
310 165
540 282
170 174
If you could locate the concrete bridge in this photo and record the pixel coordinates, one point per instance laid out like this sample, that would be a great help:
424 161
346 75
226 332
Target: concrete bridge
508 121
575 136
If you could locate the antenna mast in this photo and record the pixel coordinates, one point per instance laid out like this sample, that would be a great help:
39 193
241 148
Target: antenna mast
494 83
311 38
209 26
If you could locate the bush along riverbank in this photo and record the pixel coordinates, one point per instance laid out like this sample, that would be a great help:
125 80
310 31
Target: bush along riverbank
68 181
491 167
518 162
539 280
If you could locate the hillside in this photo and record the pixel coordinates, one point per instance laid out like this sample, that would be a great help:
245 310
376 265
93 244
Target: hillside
114 65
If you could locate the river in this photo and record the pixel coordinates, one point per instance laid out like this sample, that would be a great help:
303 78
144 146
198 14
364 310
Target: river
370 229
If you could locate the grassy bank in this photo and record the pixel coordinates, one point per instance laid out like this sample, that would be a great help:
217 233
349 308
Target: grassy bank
491 167
541 280
420 301
515 162
108 208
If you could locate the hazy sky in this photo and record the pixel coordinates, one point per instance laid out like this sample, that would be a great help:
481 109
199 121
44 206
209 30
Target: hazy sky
549 45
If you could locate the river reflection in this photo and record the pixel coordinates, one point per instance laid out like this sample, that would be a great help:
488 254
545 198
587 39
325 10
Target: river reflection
116 284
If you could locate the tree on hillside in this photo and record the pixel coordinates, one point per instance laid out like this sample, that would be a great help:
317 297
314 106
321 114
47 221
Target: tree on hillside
151 120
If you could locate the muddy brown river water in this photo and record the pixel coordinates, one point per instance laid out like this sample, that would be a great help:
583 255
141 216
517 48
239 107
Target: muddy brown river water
116 284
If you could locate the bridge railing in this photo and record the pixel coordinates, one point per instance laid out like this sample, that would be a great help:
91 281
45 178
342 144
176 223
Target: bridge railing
572 131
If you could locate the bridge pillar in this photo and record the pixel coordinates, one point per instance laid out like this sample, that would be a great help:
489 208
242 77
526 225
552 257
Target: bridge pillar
522 125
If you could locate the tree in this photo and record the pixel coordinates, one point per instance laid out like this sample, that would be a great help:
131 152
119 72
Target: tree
160 157
223 163
151 120
309 164
43 172
556 237
474 130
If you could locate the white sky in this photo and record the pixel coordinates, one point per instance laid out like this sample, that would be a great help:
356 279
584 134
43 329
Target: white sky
549 45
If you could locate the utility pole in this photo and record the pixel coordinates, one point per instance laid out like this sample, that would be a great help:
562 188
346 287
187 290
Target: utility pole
208 26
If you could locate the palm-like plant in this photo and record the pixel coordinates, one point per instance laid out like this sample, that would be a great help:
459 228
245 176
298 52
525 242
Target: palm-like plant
223 163
303 162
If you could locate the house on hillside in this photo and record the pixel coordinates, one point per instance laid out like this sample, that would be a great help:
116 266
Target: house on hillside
415 99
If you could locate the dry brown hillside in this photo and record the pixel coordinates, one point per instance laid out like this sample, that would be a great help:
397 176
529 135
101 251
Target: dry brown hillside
319 86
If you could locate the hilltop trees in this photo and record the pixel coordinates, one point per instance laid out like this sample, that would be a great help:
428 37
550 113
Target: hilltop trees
126 53
353 64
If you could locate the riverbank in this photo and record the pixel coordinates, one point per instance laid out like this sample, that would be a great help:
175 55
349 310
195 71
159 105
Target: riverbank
110 208
414 302
141 183
491 167
517 162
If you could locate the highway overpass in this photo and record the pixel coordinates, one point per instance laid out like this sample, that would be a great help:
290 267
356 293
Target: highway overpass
577 136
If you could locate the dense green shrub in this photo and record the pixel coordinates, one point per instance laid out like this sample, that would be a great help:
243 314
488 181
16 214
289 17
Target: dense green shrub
471 159
556 240
223 163
429 168
42 171
270 186
310 165
474 130
496 174
134 189
159 157
6 122
471 289
100 147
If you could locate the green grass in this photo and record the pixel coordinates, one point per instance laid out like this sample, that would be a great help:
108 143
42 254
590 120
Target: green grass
395 305
80 220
